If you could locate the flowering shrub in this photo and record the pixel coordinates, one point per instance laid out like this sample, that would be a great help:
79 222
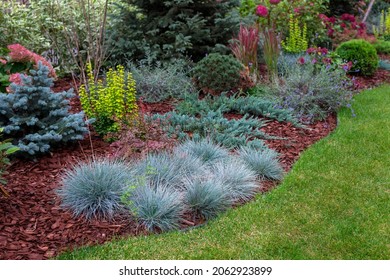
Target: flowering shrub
17 59
343 28
312 88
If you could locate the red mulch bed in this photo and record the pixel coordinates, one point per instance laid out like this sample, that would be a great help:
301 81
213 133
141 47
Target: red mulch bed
34 226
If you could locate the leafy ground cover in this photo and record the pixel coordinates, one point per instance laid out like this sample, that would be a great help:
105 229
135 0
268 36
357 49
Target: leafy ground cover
332 205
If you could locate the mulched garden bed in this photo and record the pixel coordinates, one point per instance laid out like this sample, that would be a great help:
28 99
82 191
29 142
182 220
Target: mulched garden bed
34 226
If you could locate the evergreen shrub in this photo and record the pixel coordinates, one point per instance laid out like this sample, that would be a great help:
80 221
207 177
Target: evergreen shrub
37 118
362 54
217 73
171 29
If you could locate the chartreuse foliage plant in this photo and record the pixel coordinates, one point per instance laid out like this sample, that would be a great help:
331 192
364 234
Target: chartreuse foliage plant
297 41
111 101
362 54
382 31
333 204
36 117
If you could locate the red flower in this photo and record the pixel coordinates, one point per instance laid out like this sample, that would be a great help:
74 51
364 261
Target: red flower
261 11
348 17
301 60
323 17
274 2
332 19
311 50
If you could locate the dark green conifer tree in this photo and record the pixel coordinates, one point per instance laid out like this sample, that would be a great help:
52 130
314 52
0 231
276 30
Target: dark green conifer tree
171 29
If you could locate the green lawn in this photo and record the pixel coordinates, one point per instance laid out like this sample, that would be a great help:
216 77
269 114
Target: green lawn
334 204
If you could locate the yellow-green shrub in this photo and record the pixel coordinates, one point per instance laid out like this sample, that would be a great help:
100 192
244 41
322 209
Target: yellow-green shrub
110 101
383 30
297 41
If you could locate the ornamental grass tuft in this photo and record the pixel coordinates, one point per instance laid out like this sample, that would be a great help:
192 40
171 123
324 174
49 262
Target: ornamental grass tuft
93 189
264 163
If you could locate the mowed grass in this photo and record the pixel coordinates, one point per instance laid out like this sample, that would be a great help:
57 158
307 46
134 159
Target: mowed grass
334 204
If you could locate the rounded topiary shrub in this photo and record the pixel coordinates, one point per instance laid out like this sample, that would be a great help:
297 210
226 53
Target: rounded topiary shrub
362 54
217 73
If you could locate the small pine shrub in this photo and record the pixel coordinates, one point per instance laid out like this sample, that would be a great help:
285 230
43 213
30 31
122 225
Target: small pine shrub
156 82
37 118
362 54
94 189
157 208
297 41
207 198
217 73
264 163
205 150
111 101
238 180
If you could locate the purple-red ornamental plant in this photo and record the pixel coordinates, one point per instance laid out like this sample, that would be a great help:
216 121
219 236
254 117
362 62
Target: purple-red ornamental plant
274 2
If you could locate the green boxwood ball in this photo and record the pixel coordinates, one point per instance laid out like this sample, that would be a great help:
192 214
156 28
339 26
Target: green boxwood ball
362 54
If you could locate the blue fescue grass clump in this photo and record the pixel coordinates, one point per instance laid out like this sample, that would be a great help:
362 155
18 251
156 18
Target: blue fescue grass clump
238 180
263 162
207 197
156 206
94 189
168 168
205 149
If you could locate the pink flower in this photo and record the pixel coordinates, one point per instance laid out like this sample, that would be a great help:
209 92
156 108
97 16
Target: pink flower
261 11
274 2
311 50
327 60
323 17
15 78
301 60
297 10
3 61
19 53
323 51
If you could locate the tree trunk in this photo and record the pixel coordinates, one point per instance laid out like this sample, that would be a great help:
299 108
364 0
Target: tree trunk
368 10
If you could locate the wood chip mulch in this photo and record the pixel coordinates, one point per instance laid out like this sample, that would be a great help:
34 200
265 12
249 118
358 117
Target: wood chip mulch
34 226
